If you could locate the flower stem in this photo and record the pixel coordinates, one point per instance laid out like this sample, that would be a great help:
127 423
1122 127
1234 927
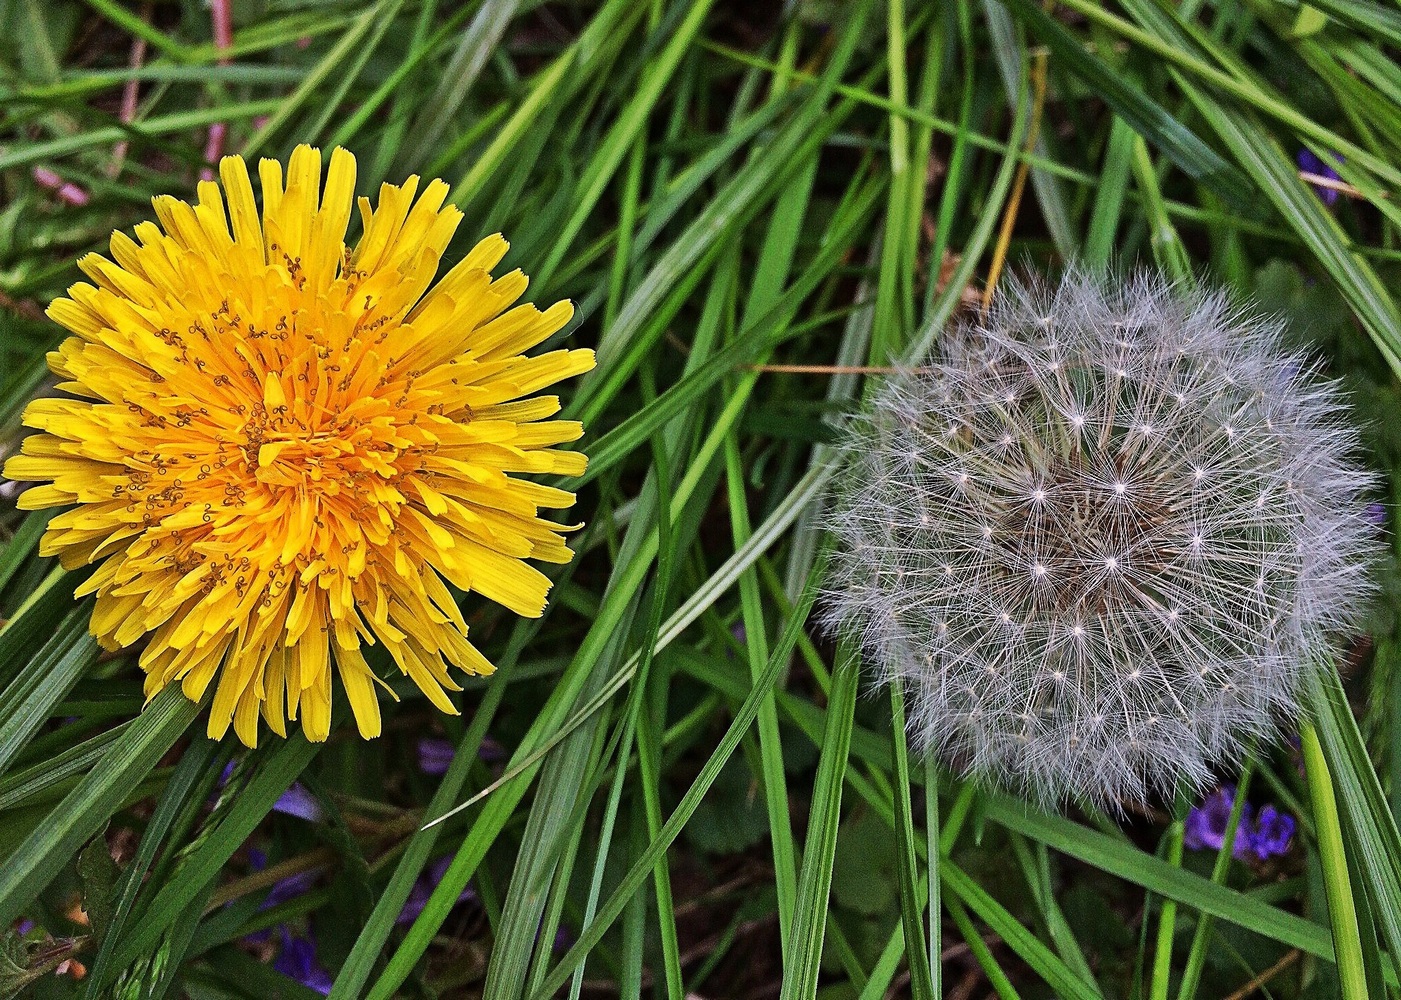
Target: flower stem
1347 942
1167 920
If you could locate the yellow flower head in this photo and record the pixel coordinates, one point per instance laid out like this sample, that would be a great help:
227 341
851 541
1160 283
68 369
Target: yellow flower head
282 447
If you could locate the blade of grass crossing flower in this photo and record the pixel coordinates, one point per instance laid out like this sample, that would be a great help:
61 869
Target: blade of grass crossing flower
1196 955
815 881
40 858
911 905
590 935
1347 942
28 701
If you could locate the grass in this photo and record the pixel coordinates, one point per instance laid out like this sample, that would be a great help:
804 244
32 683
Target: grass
675 785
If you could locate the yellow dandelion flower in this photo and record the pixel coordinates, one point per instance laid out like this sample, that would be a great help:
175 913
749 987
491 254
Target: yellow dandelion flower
281 448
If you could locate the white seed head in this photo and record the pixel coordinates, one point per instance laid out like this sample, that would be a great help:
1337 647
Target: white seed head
1134 524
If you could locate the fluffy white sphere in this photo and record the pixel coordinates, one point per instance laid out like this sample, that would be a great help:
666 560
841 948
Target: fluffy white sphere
1101 537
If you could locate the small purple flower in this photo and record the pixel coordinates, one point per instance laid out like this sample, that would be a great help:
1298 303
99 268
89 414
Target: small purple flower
1206 824
423 889
296 801
1265 836
435 755
1375 513
24 927
1273 832
297 960
1310 163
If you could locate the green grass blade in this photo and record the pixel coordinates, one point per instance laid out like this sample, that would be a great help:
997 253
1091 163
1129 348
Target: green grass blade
84 810
815 881
28 701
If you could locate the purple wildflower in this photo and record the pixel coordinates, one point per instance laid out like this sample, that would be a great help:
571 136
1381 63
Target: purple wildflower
297 960
24 927
1375 513
1206 824
296 801
1310 163
423 889
1265 836
1273 832
435 755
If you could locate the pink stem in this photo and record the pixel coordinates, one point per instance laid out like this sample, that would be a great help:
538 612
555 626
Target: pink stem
222 15
130 93
66 191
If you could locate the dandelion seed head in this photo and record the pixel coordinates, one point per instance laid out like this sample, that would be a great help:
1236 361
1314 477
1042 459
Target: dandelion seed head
1147 526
